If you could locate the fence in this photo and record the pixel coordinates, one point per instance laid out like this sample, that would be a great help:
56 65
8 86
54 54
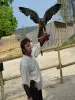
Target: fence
59 66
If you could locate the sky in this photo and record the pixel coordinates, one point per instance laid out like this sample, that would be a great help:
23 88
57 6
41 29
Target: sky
40 6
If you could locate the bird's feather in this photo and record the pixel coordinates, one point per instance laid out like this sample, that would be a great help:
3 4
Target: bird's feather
50 12
28 12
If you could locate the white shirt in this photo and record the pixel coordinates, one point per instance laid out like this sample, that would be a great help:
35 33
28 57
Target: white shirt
29 68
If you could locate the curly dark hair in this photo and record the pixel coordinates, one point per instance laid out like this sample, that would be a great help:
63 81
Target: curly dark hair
23 42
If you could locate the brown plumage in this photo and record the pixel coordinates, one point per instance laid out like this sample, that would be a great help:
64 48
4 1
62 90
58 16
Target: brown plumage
41 21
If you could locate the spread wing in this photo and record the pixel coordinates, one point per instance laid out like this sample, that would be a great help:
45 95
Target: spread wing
28 12
50 12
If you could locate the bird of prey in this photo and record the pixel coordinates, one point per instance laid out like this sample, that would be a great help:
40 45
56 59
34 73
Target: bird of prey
41 21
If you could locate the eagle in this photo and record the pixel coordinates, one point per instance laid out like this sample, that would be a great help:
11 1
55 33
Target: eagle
41 21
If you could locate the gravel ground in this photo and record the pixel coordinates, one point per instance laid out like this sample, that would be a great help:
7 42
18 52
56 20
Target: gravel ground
52 88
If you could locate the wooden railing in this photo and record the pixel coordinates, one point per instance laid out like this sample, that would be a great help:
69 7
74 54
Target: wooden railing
58 66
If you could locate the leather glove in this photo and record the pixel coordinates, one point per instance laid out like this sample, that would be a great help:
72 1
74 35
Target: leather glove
43 38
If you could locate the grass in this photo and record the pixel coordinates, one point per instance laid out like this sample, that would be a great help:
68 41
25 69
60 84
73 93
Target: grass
70 41
9 46
10 51
10 54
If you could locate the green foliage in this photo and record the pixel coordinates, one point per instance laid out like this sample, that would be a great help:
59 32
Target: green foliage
10 1
4 2
8 22
70 41
66 11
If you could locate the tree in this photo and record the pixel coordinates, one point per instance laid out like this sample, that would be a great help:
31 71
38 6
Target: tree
7 20
10 1
73 8
66 11
4 2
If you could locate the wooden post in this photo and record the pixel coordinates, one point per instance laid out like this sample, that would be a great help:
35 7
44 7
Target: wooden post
1 81
60 64
59 58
